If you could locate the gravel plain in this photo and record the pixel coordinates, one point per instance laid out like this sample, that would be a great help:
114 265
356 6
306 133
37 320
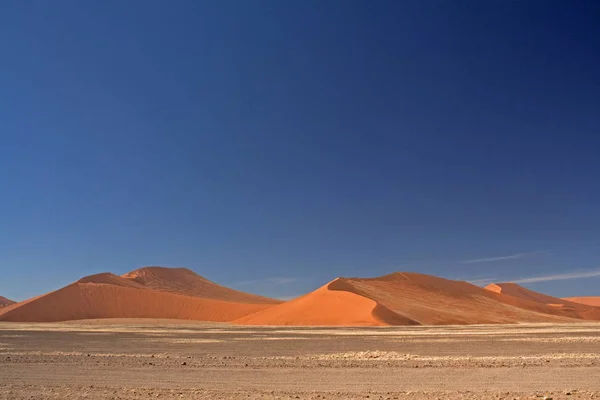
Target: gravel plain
128 359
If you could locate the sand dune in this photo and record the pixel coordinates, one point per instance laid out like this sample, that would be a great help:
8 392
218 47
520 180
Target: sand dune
4 302
110 296
186 282
395 299
410 299
589 300
436 301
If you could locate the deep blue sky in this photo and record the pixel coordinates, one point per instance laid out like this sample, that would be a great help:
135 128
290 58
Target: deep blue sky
275 145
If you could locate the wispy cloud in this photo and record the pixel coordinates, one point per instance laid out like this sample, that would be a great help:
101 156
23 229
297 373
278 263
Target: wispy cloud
509 257
266 281
540 278
558 277
482 281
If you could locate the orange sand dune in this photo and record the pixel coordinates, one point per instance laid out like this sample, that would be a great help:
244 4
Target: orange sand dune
326 306
110 296
395 299
4 302
408 299
100 300
186 282
589 300
435 301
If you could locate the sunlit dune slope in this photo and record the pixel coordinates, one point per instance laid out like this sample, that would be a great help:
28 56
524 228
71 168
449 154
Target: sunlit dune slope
110 296
186 282
587 300
4 302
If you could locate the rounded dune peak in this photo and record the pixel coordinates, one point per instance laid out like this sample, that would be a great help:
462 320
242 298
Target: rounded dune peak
187 282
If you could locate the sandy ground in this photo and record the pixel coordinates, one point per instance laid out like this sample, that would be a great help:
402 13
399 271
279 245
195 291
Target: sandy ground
166 360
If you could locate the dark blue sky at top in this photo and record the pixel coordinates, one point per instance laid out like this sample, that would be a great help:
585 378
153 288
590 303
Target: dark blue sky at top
253 141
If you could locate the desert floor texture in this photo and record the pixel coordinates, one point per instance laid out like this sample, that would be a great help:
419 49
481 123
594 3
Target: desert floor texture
128 359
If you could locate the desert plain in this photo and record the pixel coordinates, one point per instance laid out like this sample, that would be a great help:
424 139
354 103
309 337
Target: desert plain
165 359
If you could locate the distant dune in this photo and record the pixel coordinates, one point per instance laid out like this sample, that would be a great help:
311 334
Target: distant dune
4 302
590 300
546 304
111 296
400 298
519 291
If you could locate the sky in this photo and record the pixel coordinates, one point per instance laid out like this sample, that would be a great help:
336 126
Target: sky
273 146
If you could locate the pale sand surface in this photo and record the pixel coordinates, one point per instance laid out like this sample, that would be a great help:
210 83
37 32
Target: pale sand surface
132 359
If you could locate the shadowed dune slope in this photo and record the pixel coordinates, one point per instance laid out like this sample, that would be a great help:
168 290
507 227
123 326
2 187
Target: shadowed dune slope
101 300
186 282
4 302
589 300
326 307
